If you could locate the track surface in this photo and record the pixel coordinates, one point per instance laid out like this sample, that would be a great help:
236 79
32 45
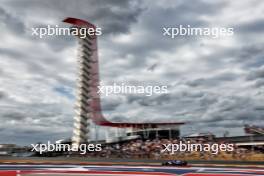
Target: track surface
83 170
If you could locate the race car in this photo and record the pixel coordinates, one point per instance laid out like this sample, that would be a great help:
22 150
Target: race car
175 163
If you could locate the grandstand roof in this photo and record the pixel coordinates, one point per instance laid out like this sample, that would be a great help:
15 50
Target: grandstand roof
252 129
197 135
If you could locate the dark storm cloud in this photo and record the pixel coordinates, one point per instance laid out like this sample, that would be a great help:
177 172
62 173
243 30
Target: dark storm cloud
233 108
246 56
208 99
250 51
111 104
10 52
31 111
259 83
18 116
43 66
213 81
149 100
168 106
33 123
114 16
256 74
118 118
30 136
251 55
255 26
13 23
55 43
2 95
259 108
151 39
229 114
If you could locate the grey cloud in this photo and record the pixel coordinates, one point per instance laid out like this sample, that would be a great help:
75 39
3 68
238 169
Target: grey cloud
201 82
213 81
111 104
259 108
11 53
33 122
207 100
250 55
155 100
255 26
246 56
55 43
118 118
41 66
113 16
30 136
14 116
13 23
259 83
256 74
21 111
2 95
155 18
232 108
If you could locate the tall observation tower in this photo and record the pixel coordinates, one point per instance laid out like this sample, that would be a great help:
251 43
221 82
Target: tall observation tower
87 86
88 106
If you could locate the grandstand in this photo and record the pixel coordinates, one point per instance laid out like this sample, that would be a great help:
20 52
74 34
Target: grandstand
142 140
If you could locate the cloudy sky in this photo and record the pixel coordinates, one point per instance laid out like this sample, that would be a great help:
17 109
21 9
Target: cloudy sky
214 84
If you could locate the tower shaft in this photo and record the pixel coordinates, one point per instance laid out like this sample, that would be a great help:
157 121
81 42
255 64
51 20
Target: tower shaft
84 91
